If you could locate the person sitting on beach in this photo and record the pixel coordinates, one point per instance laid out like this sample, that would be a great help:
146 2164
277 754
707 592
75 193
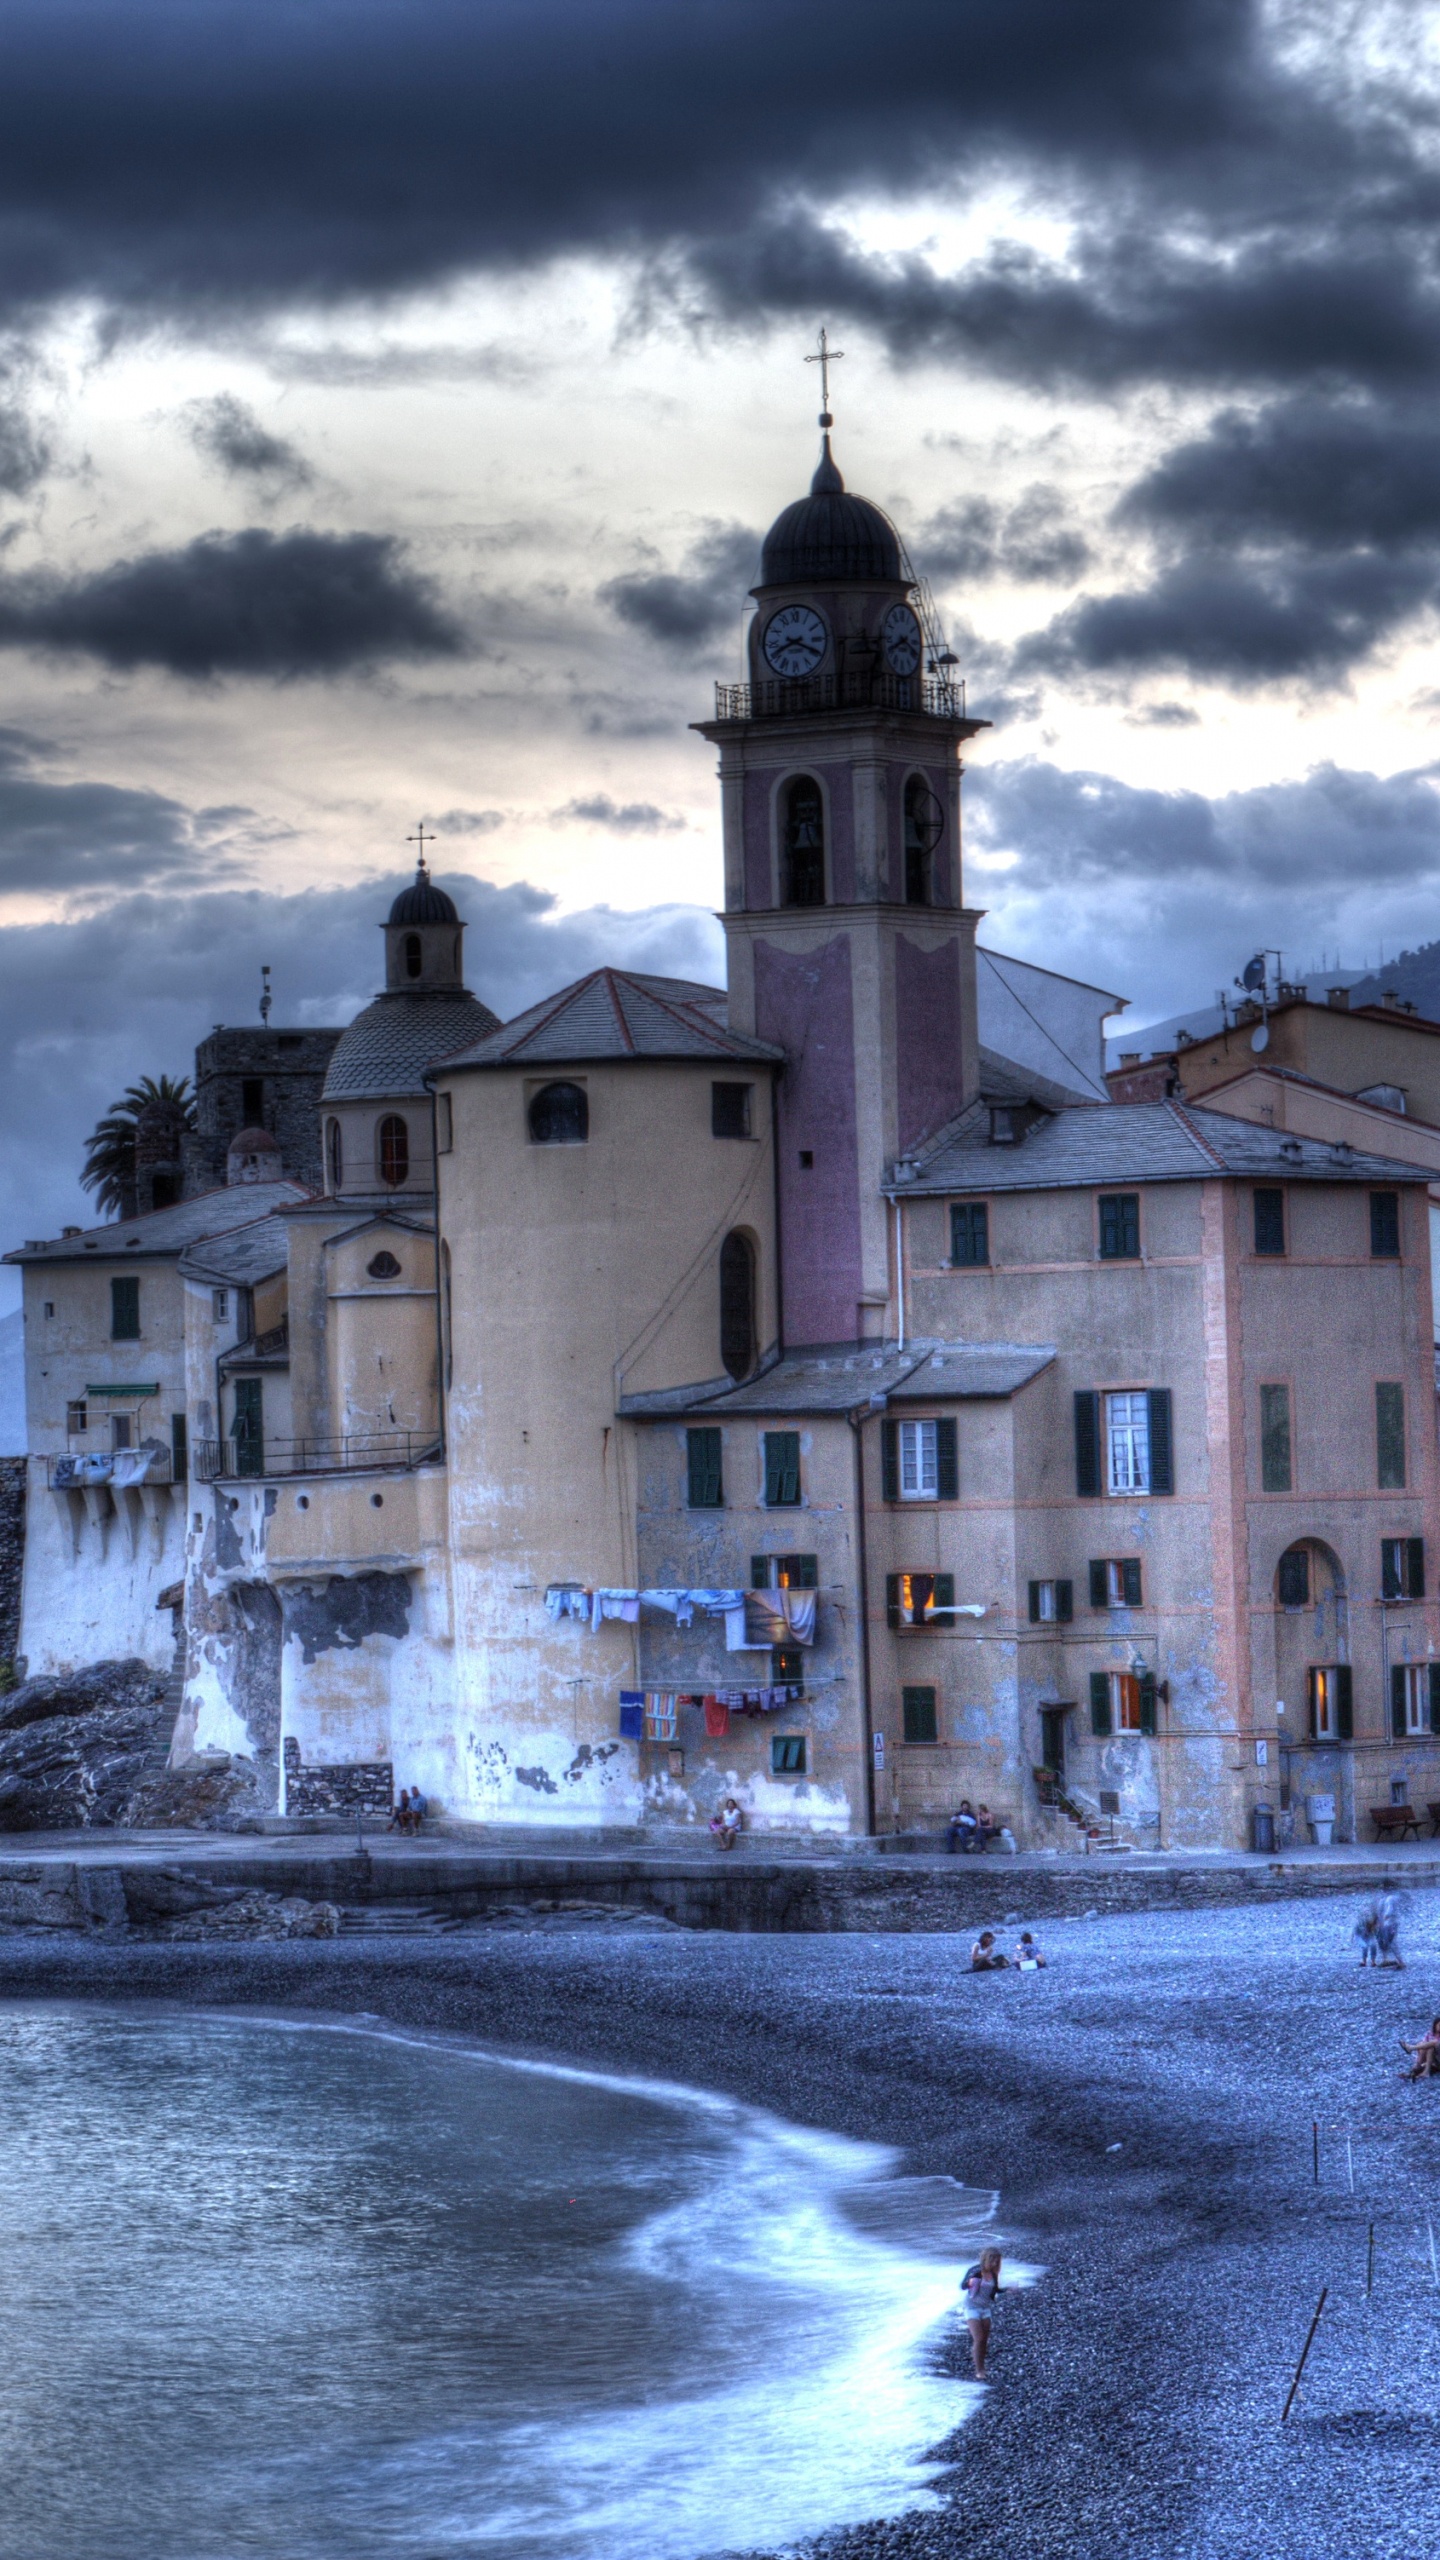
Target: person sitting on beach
1426 2065
985 1956
400 1815
726 1823
1027 1952
962 1828
979 2286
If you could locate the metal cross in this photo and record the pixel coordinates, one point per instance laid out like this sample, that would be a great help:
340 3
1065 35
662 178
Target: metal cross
826 356
420 837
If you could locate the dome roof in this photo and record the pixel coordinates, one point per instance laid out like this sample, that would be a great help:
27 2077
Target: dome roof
423 903
830 535
253 1142
387 1048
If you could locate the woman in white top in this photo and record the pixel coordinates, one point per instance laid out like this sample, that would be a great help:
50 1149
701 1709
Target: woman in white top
980 2285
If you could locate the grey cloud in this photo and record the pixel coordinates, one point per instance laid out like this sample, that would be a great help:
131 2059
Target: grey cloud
697 604
282 605
84 1007
1239 622
88 837
24 451
469 822
1163 715
229 434
1032 539
627 818
1324 473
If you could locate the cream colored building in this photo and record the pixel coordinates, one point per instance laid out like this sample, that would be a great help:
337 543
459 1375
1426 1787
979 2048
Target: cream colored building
776 1390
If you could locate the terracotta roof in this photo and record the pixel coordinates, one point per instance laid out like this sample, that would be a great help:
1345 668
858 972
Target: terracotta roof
615 1013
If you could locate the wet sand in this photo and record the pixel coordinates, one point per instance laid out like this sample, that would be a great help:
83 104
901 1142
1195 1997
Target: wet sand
1137 2390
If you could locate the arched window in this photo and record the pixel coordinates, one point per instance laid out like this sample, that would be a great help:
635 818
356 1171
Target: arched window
560 1116
802 844
334 1153
383 1266
924 827
413 961
393 1148
737 1304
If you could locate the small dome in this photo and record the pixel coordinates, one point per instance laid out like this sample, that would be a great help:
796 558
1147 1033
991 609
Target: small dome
423 903
253 1142
830 535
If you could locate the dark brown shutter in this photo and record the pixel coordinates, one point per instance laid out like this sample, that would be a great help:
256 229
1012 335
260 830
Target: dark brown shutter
947 1460
1415 1568
1087 1441
1130 1573
1064 1601
889 1461
1099 1589
1397 1700
1034 1604
1162 1458
1344 1702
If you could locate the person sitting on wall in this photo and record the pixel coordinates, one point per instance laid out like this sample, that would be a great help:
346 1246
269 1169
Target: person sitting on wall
400 1813
961 1830
985 1956
986 1829
726 1823
418 1810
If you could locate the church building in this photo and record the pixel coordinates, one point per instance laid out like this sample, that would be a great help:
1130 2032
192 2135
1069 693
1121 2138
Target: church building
776 1390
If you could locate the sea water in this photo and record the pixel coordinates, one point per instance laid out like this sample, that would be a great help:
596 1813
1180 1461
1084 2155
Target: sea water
328 2290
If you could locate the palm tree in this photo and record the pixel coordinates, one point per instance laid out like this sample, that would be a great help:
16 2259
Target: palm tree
110 1148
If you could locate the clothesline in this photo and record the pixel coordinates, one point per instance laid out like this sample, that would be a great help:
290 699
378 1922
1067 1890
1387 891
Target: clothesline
652 1715
755 1621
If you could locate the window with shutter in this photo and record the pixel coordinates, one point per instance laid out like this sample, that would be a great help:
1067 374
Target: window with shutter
918 1709
705 1489
969 1234
1130 1581
787 1755
947 1459
125 1309
179 1448
1409 1699
737 1304
1127 1443
1120 1226
1051 1603
1389 1435
919 1462
797 1573
782 1470
889 1461
1275 1440
1330 1695
1293 1578
1162 1445
1099 1702
1402 1568
1385 1225
1269 1221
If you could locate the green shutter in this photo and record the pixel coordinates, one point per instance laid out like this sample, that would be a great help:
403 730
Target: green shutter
1390 1568
1390 1436
1130 1572
179 1448
1344 1702
702 1450
1099 1702
892 1599
782 1469
1397 1700
1147 1701
1097 1582
1435 1697
1064 1601
889 1461
1162 1459
947 1460
945 1594
917 1709
125 1309
1087 1441
1034 1604
1415 1568
760 1570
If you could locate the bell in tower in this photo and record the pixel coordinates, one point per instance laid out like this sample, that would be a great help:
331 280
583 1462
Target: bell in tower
850 946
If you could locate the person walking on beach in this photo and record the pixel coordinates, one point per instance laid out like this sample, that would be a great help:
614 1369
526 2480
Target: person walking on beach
979 2286
1367 1930
1387 1929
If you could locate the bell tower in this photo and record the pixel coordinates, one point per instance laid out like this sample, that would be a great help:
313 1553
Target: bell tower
849 943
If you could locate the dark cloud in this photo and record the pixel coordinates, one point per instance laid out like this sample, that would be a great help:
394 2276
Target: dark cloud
24 451
229 434
469 822
697 604
252 603
1239 623
1032 540
1163 715
627 818
1328 474
85 1007
88 837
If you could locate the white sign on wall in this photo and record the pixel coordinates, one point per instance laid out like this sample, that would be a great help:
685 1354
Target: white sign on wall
879 1750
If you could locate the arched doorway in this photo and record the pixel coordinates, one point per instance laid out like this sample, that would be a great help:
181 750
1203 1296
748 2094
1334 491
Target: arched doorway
1313 1689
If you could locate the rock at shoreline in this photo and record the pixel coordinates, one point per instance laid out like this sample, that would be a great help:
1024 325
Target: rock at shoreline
88 1749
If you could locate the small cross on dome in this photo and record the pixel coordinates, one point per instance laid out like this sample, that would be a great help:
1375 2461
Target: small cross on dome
421 838
825 355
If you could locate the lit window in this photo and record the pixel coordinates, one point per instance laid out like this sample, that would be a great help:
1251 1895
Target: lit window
1329 1688
919 1462
1122 1702
393 1140
920 1599
1127 1437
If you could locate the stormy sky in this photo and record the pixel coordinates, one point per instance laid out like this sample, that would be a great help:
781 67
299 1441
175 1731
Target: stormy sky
393 396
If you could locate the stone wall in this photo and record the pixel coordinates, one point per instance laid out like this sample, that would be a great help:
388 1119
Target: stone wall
290 1067
12 1553
354 1786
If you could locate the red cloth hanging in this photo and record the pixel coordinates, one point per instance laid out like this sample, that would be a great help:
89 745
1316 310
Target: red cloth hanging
717 1719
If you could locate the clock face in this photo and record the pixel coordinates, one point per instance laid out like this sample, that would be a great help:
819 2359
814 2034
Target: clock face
795 640
901 634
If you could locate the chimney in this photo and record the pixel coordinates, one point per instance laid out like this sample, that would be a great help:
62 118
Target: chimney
1392 997
1339 997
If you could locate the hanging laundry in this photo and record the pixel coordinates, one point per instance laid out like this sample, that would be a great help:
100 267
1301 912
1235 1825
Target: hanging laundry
613 1604
799 1611
717 1719
679 1604
660 1718
566 1600
632 1715
765 1620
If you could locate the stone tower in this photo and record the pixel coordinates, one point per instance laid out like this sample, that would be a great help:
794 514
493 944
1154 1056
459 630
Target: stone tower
849 943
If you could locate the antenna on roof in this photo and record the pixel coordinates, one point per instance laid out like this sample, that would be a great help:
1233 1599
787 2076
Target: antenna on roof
265 997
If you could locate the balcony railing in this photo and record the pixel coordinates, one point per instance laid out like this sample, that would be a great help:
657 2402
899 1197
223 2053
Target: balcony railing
785 698
358 1451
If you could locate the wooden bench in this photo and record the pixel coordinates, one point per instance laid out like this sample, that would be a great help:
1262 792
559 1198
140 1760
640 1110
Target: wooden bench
1392 1821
